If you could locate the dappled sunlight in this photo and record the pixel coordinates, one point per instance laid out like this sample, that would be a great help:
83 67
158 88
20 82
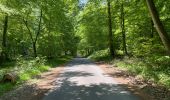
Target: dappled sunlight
72 91
87 82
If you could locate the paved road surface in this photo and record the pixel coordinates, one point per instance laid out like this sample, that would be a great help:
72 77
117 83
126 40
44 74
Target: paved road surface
83 80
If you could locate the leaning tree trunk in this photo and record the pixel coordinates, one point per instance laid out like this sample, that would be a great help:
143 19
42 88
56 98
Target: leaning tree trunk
112 52
4 38
159 26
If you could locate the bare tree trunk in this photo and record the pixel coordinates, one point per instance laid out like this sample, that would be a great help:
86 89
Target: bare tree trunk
4 41
159 26
123 29
34 49
111 48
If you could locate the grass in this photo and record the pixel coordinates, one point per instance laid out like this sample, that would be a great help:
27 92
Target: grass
149 70
6 87
58 61
101 55
26 69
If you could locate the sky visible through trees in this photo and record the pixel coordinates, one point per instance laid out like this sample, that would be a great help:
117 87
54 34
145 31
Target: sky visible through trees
83 1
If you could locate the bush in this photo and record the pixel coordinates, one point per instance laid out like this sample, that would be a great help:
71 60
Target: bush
100 55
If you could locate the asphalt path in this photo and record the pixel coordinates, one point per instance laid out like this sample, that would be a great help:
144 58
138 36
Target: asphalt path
81 79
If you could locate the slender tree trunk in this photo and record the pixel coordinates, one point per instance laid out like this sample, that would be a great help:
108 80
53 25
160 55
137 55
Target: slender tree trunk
39 26
34 41
159 26
38 33
111 48
34 49
123 29
4 41
152 29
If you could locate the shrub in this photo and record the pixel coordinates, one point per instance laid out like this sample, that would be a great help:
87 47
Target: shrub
100 55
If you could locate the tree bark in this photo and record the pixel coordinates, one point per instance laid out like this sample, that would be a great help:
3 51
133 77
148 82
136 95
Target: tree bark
159 26
123 29
4 41
34 49
111 48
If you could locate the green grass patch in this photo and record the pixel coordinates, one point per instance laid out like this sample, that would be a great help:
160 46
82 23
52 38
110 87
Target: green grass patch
58 61
6 87
101 55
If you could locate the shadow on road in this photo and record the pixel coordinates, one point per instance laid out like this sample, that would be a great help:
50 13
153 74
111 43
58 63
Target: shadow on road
69 90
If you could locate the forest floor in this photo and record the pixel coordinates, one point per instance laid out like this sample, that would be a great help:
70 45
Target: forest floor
147 90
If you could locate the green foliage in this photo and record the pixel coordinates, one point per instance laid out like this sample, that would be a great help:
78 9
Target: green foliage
5 87
100 55
26 69
67 27
152 68
93 38
54 35
58 61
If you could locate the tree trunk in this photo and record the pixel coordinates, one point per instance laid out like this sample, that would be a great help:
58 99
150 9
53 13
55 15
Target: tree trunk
4 41
159 26
111 48
34 49
34 41
39 27
123 29
152 29
38 33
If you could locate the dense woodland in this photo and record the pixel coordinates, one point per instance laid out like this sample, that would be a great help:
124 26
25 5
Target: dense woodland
133 32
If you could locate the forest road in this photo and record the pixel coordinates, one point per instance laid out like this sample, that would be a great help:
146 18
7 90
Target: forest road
83 80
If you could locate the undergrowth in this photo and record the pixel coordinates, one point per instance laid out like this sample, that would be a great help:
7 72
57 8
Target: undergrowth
153 67
27 68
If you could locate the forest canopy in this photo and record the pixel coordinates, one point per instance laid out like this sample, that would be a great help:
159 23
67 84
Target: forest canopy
32 28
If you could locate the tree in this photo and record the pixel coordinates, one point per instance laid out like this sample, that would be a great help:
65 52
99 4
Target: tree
34 40
159 26
4 41
92 27
111 48
123 28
